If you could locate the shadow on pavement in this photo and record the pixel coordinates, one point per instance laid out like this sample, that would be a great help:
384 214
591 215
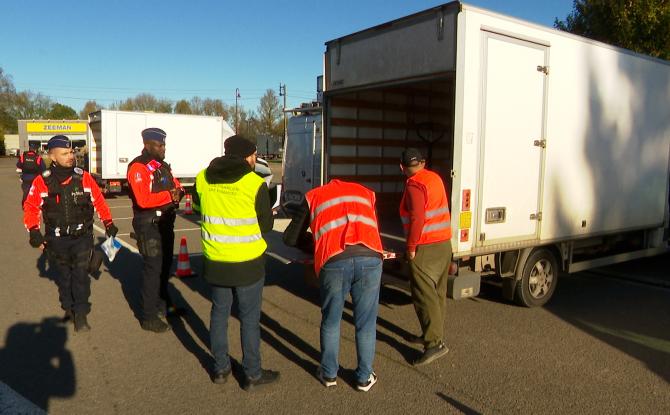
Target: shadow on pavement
35 362
289 277
44 267
127 270
603 307
197 326
272 332
458 405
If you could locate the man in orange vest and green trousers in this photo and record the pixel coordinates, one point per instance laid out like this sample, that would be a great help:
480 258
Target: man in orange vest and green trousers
424 210
348 260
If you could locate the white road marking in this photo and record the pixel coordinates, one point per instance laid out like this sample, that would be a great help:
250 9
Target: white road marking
278 257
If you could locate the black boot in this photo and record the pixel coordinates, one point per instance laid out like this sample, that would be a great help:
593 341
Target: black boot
155 324
431 354
266 377
68 317
80 323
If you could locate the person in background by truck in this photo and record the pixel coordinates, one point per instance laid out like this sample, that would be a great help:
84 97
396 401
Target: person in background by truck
66 196
235 207
347 259
424 211
81 157
155 195
30 165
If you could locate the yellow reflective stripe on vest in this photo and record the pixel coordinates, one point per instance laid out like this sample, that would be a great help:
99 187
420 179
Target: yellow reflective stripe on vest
338 200
341 221
228 239
229 227
217 220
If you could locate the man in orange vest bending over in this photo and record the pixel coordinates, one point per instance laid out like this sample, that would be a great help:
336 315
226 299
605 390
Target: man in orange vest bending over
347 260
424 210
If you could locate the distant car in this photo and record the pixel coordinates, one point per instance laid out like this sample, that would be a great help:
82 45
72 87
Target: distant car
14 152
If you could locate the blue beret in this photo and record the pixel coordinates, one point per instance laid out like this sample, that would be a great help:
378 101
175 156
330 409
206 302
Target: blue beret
155 134
59 141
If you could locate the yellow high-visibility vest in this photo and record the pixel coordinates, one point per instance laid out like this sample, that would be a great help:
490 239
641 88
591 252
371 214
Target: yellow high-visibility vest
229 226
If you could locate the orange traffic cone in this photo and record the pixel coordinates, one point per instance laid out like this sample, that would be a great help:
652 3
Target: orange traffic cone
188 208
183 263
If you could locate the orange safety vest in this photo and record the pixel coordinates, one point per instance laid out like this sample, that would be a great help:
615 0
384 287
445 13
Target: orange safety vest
437 224
341 214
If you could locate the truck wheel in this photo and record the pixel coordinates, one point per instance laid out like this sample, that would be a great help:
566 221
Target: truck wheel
538 279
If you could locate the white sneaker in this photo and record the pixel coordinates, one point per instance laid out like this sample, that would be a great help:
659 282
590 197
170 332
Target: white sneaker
327 382
364 387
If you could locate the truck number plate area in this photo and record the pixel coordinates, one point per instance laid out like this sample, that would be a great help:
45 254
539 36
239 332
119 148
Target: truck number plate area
495 215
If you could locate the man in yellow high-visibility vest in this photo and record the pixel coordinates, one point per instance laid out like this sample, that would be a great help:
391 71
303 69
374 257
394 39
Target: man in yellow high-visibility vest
235 210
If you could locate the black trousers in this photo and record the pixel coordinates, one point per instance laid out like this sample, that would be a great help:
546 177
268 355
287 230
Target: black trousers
25 187
71 256
155 241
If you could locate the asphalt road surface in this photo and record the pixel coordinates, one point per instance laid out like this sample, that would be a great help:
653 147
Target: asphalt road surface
602 345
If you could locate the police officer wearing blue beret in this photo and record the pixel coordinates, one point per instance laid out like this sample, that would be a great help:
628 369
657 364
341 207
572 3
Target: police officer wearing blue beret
155 194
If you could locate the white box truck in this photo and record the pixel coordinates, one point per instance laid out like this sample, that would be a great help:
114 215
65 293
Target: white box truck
114 140
554 147
302 154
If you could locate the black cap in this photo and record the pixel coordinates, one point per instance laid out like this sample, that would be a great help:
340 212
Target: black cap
411 156
59 141
239 146
154 134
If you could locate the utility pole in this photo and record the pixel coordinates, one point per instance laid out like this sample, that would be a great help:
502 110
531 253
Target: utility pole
282 93
237 96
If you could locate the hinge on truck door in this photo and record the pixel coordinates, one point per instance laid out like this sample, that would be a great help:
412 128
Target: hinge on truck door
543 69
482 236
540 143
338 52
440 25
536 216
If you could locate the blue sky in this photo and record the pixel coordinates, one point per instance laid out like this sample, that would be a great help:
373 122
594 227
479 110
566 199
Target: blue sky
109 50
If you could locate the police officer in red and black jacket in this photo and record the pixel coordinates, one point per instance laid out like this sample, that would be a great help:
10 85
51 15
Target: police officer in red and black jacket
30 165
155 194
66 197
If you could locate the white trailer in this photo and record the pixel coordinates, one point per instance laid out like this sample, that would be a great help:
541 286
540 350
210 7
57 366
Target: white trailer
115 139
302 165
554 147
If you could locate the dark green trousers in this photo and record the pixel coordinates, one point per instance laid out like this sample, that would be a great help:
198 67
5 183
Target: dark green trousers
430 268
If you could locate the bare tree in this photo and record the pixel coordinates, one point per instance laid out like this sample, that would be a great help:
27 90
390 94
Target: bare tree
89 107
182 107
269 114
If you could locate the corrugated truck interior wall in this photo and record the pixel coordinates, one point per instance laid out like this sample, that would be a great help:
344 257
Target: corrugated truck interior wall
370 128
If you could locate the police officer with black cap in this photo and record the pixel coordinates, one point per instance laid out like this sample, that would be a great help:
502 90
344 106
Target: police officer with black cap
155 194
66 196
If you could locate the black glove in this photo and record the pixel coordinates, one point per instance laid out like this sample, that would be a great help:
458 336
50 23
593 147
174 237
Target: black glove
36 238
111 229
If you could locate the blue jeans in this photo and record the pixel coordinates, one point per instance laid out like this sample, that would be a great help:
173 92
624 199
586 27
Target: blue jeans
249 304
360 276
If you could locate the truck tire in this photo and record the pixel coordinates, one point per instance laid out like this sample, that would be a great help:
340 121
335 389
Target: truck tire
539 277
